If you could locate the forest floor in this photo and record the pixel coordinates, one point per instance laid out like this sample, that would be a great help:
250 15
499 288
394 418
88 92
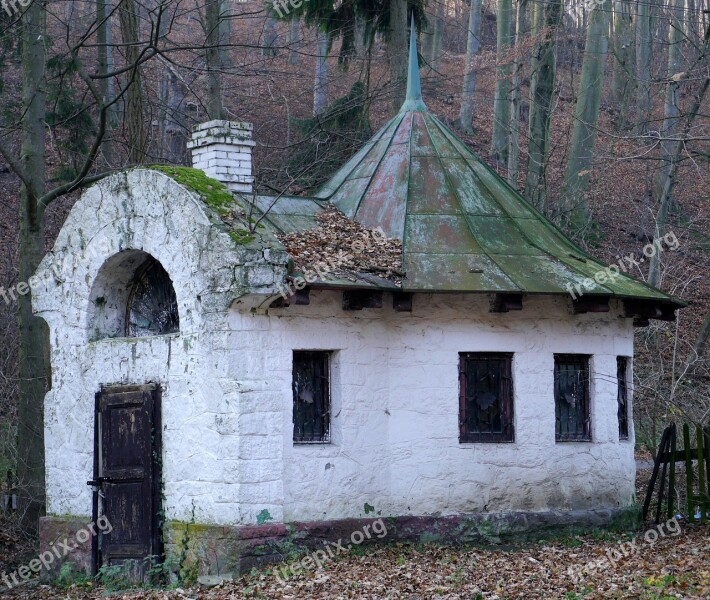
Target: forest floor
677 565
671 560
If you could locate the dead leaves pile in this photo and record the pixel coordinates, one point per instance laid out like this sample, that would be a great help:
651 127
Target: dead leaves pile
674 567
346 247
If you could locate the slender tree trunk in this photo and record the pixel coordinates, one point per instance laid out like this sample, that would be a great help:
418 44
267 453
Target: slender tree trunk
438 34
690 20
624 54
105 65
134 95
33 355
271 34
397 49
643 64
427 36
671 111
320 87
173 125
671 152
294 41
465 122
501 102
586 114
542 90
514 141
215 109
225 31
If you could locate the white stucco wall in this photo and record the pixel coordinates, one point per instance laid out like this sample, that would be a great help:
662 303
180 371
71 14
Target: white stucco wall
148 212
395 410
227 400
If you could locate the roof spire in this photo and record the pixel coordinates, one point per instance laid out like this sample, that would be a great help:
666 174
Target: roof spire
414 89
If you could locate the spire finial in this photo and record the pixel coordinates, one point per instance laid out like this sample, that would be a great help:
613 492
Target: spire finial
414 87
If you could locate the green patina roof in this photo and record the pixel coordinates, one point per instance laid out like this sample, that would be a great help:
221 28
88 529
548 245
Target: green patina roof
463 228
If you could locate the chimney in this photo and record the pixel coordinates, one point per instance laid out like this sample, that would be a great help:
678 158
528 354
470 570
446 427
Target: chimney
222 149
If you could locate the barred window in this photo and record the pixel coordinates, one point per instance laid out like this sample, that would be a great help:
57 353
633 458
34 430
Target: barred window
622 370
485 398
311 396
572 414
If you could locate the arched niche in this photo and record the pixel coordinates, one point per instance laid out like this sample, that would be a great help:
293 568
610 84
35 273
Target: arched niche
132 296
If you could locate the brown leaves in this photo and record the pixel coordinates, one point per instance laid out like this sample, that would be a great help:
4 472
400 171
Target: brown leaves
346 247
673 567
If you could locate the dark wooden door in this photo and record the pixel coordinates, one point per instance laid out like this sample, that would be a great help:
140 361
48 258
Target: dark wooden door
127 473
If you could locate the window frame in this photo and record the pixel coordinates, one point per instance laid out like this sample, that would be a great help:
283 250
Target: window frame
622 409
572 359
325 438
508 401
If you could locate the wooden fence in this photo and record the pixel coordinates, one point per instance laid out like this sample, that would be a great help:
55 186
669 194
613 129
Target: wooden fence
697 474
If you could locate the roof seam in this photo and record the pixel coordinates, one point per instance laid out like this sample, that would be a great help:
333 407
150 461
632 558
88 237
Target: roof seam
379 162
460 204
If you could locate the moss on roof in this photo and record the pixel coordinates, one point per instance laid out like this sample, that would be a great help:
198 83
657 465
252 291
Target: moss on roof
213 192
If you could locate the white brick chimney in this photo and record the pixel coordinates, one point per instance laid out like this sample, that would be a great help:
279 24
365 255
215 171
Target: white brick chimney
222 149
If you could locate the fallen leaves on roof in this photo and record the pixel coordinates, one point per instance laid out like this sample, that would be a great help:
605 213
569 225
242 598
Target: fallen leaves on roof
343 248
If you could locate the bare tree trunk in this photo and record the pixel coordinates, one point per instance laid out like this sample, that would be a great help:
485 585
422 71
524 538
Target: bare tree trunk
438 34
542 89
584 134
397 49
465 122
173 124
514 140
105 65
501 102
294 41
225 31
134 95
671 111
320 87
702 343
690 20
427 37
624 53
643 64
33 356
215 109
271 34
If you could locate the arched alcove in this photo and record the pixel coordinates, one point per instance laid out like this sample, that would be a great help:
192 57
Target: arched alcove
132 296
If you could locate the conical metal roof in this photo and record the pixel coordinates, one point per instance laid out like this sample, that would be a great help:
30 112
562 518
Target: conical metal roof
463 228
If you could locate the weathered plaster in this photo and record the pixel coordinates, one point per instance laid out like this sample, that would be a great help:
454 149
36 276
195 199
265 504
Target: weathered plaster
226 375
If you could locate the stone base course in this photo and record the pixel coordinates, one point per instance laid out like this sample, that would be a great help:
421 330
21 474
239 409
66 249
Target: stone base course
200 549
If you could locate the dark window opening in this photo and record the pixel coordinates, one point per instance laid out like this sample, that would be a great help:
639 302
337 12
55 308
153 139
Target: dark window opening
485 398
572 414
622 370
152 304
311 396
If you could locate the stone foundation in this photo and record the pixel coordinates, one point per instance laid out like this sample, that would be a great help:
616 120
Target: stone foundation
193 549
60 543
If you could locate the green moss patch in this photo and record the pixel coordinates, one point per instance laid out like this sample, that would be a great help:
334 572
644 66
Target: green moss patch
214 193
